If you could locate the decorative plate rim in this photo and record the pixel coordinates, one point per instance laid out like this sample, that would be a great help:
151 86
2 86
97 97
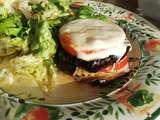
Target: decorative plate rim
66 105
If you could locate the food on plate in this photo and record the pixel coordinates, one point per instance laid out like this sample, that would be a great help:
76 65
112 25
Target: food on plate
27 47
99 47
39 38
27 68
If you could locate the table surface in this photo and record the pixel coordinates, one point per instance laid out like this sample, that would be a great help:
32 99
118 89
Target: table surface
129 5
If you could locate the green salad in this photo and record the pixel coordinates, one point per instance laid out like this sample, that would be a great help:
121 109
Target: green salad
29 38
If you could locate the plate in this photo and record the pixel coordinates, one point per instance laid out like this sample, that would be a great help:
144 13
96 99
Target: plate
129 96
66 88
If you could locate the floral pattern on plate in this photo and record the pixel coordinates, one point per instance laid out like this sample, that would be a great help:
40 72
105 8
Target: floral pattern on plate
137 101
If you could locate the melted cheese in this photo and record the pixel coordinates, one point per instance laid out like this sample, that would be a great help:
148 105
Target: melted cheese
95 39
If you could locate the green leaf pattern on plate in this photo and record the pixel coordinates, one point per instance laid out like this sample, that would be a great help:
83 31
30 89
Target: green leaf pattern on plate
136 101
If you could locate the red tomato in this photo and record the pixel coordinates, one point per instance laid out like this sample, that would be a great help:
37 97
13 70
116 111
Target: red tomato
152 44
37 114
117 66
65 41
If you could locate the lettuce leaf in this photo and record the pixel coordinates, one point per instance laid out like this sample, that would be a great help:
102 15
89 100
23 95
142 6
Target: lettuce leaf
10 22
43 44
13 35
45 11
14 25
9 46
30 67
62 4
3 13
88 12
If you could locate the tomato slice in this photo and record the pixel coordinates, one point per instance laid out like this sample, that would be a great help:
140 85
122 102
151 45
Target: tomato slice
118 69
37 114
152 44
117 66
65 40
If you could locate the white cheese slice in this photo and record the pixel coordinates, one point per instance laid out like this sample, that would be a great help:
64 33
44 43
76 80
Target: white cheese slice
95 39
